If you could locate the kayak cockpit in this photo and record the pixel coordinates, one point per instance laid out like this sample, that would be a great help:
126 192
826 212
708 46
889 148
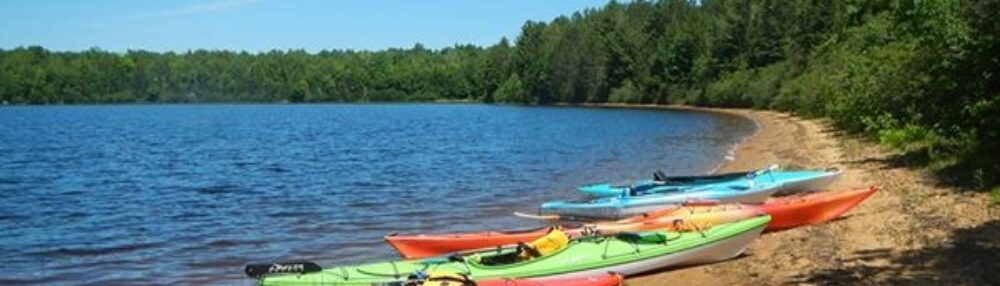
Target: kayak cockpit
553 242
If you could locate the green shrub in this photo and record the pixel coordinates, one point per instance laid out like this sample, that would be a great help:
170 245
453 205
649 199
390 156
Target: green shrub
627 93
762 89
512 90
910 138
730 89
995 197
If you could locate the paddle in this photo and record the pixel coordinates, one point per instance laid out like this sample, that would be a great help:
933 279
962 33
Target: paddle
539 217
754 174
298 267
689 202
552 217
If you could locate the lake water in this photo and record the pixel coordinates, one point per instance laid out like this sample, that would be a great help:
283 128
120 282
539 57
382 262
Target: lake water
189 194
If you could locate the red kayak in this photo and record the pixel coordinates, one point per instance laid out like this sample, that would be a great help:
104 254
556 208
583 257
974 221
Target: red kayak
814 208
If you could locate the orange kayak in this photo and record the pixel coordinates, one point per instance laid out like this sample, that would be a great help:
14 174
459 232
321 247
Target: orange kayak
683 218
610 279
814 208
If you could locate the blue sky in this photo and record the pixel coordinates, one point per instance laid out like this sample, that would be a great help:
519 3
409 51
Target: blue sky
258 25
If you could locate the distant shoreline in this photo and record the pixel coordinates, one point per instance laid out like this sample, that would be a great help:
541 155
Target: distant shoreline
140 103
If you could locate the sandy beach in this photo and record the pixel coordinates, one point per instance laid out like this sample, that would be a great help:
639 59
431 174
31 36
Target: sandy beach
912 232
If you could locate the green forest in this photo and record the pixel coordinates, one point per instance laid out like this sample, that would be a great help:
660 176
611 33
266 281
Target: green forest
918 75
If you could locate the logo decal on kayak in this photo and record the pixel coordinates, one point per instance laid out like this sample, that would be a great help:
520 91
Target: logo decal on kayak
260 270
286 268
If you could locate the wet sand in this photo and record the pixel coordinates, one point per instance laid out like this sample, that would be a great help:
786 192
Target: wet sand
912 232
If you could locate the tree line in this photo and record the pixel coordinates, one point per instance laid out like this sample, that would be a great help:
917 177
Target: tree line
919 75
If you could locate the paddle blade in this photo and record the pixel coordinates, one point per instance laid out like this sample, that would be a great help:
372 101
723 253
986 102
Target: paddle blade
261 270
541 217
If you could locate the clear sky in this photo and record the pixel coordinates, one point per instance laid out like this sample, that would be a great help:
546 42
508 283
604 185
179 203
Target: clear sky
258 25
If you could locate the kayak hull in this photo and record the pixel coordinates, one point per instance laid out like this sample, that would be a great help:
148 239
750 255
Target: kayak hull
605 279
814 208
816 183
724 250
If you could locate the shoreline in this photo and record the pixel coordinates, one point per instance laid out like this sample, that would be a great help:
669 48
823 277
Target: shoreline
888 239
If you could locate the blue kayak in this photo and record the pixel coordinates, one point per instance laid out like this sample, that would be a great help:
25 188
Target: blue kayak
627 206
793 181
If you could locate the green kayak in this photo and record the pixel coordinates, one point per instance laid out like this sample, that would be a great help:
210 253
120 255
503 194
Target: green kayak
626 253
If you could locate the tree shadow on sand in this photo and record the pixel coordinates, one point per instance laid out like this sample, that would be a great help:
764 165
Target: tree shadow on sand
972 172
969 257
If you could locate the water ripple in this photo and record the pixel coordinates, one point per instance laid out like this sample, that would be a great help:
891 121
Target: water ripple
164 194
95 251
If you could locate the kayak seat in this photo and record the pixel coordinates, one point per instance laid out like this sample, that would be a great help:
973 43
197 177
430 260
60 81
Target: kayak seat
552 242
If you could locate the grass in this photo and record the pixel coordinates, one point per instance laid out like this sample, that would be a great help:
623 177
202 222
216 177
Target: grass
995 197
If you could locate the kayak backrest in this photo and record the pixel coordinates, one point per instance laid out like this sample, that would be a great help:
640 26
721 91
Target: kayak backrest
642 237
660 176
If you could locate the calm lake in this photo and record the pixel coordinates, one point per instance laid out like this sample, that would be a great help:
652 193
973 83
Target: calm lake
189 194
